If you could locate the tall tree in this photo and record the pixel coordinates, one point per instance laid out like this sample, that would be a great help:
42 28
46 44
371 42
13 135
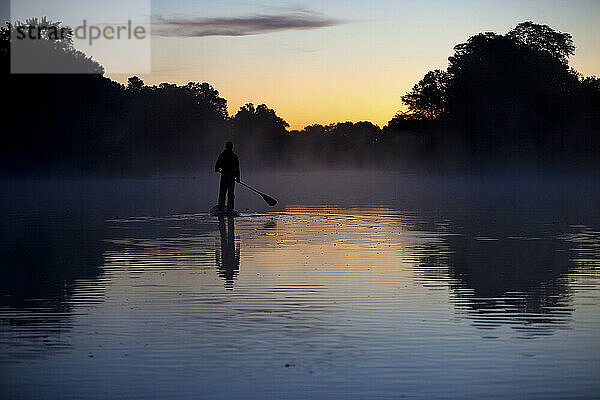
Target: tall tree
49 49
260 131
428 98
134 83
542 37
208 98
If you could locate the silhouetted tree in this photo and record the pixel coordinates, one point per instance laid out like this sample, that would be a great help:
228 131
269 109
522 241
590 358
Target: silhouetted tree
135 83
501 97
511 96
5 49
172 127
86 123
45 48
260 131
340 144
505 96
428 98
543 38
208 99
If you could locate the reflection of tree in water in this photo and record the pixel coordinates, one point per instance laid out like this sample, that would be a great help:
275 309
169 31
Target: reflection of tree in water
228 258
516 258
522 280
585 252
511 281
42 259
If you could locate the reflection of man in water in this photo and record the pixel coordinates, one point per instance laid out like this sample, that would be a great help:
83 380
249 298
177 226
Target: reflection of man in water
228 165
228 261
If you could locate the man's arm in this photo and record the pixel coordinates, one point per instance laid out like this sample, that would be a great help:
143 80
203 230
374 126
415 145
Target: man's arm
218 164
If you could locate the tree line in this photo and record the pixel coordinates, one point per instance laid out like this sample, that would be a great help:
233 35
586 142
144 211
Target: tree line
504 100
510 97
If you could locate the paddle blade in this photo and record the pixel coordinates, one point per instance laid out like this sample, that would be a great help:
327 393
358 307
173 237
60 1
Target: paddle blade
270 201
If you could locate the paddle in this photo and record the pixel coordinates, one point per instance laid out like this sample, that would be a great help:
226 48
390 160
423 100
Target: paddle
270 201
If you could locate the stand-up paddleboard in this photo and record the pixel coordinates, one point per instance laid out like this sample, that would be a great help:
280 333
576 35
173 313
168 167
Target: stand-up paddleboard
225 212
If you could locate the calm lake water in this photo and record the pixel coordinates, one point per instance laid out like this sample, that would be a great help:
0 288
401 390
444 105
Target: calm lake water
358 285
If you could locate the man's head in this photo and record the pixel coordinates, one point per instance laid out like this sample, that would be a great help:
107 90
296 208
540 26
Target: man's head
229 145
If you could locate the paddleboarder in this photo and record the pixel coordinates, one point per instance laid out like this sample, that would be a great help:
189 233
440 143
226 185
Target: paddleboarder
228 165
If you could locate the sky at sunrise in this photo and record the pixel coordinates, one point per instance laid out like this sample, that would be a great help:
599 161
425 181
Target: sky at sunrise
330 61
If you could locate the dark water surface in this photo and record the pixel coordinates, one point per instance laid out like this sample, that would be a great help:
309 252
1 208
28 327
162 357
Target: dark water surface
357 285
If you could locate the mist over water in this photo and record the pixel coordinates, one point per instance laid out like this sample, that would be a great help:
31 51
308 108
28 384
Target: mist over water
357 284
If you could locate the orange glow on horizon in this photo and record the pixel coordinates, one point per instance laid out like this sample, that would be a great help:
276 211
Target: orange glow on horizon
300 105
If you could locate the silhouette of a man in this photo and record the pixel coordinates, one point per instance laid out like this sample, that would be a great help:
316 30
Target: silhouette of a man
228 165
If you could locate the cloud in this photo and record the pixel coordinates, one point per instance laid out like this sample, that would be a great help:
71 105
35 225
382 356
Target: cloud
239 26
